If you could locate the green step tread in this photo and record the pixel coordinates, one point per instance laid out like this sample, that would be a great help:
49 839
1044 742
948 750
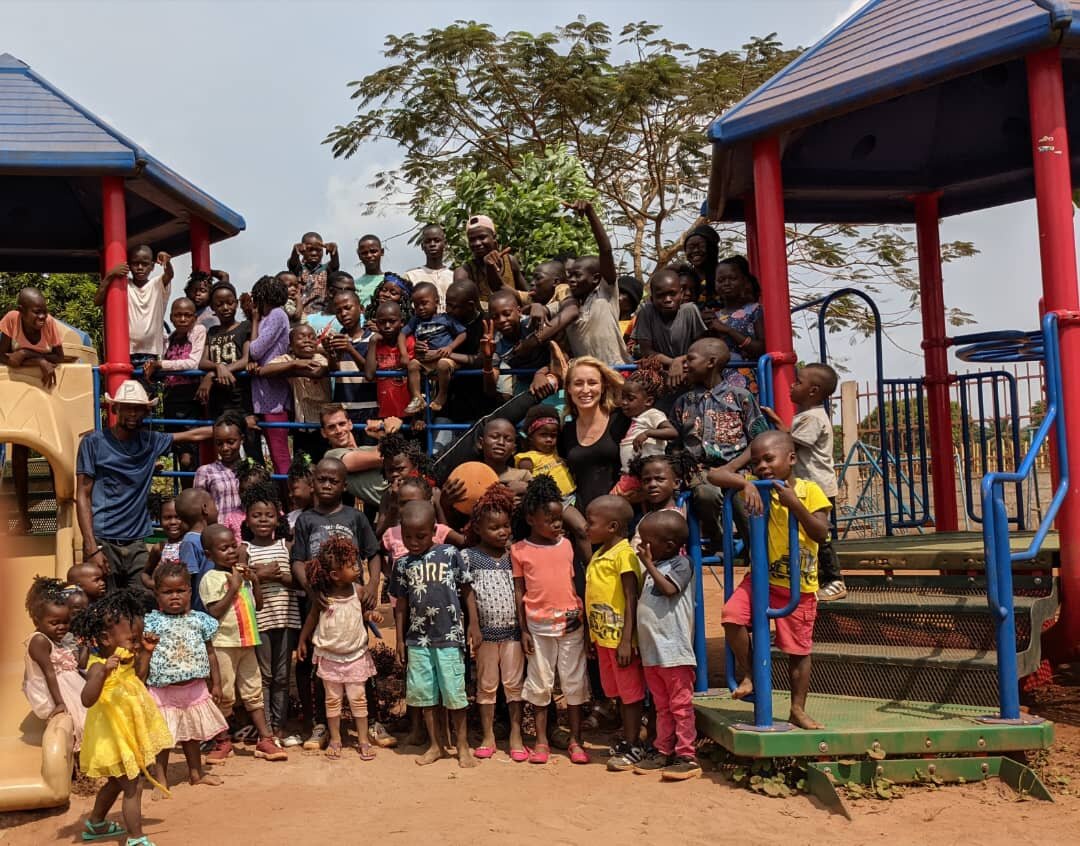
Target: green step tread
867 601
938 549
912 655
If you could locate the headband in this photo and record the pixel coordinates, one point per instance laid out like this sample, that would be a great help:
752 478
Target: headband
541 421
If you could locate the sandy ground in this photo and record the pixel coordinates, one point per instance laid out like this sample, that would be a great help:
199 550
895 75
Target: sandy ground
312 800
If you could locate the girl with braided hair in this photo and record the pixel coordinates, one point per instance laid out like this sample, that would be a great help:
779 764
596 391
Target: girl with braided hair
124 729
339 640
51 680
550 614
648 424
500 657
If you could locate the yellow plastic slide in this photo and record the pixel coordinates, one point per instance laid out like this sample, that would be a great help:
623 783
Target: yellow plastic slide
36 758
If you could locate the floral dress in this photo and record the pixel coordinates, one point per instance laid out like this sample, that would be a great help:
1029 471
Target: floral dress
743 320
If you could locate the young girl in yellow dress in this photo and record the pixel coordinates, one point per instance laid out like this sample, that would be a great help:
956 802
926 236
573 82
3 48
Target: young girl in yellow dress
124 730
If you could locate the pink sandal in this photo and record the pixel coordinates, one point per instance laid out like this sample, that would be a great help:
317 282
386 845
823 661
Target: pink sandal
519 756
540 754
483 752
578 755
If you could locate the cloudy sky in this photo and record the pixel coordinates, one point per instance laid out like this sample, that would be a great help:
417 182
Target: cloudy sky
237 95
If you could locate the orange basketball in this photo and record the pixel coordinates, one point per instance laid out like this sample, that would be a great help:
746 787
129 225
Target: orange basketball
477 478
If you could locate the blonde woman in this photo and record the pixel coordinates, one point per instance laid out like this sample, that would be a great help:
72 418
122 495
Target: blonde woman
589 441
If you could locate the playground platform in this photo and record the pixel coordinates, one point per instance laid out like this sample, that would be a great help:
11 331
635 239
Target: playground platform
940 551
855 726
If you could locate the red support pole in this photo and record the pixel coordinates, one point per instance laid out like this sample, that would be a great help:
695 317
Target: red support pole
1057 250
200 245
772 270
114 229
932 300
751 233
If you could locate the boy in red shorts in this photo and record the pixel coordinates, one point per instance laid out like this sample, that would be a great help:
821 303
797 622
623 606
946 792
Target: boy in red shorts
612 584
772 456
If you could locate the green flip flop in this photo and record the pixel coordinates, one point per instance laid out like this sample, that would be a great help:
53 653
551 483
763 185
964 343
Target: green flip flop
104 830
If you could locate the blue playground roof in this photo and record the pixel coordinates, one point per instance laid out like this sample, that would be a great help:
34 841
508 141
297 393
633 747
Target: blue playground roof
53 152
904 96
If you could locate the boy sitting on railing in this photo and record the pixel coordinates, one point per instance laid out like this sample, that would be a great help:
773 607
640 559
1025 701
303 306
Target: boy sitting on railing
772 456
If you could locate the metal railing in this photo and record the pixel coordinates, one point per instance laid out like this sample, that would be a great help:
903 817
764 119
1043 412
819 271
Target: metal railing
999 554
993 433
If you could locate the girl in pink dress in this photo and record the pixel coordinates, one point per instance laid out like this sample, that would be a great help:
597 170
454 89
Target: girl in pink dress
51 679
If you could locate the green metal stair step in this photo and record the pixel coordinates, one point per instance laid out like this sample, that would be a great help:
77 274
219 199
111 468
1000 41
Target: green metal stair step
938 550
887 601
964 676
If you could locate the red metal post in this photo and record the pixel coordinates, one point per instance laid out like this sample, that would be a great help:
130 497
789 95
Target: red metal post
772 270
751 233
200 245
1057 250
114 229
200 260
936 359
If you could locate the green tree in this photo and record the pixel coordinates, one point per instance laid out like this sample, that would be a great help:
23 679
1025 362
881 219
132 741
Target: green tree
526 207
463 99
70 297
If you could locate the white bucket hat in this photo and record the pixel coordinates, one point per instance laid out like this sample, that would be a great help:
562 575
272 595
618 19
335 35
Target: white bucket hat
130 393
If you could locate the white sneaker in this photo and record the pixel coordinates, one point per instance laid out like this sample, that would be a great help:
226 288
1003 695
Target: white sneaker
292 740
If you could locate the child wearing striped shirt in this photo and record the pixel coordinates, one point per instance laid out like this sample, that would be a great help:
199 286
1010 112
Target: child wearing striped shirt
232 594
266 552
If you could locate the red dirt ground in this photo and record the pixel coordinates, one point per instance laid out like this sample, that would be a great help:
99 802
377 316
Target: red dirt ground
312 800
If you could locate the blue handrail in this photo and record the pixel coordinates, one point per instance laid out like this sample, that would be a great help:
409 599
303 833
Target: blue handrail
760 613
999 555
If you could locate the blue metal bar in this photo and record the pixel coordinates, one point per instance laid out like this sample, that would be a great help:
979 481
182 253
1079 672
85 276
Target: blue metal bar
761 613
728 541
999 557
701 659
821 305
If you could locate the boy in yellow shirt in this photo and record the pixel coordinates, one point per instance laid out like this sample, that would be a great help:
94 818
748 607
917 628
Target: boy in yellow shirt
772 456
612 582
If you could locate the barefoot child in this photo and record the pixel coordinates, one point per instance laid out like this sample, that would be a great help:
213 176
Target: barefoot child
29 337
499 657
232 595
772 456
665 616
51 680
430 627
436 336
550 616
812 431
183 678
339 641
612 582
266 550
124 729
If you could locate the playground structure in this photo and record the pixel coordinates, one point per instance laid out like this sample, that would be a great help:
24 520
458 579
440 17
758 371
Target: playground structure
74 195
905 112
923 657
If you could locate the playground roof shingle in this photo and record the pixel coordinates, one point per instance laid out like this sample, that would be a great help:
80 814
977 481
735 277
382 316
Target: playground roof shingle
52 153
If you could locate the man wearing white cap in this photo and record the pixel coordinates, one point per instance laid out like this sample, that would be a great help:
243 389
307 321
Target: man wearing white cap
114 470
492 267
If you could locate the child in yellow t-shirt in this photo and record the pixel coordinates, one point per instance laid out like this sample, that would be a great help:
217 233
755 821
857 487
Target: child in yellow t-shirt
612 582
542 458
772 456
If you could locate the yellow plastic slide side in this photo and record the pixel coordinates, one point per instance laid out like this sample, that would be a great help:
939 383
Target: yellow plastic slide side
35 758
